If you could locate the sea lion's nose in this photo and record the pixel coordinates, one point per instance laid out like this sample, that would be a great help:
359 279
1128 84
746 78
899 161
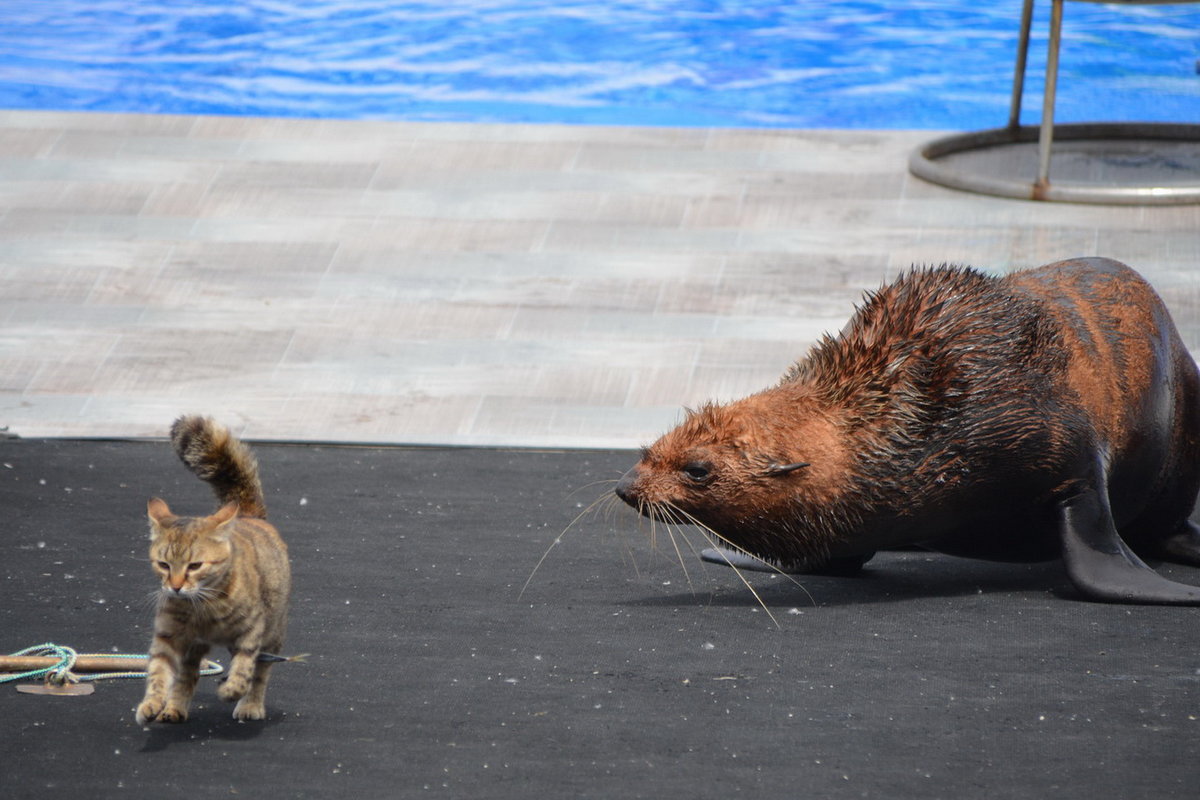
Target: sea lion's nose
625 486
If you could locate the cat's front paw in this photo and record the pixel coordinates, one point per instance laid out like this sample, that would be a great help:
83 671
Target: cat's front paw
247 709
149 710
173 714
154 710
232 689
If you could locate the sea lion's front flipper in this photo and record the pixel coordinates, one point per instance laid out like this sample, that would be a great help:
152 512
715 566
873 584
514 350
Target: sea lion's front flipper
845 566
1102 566
740 560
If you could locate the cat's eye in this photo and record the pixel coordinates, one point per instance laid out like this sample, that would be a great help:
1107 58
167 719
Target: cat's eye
164 566
195 565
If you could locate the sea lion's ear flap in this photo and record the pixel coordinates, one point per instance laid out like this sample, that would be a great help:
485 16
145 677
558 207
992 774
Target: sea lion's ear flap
775 470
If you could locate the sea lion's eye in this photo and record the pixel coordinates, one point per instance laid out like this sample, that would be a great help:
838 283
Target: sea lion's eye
698 471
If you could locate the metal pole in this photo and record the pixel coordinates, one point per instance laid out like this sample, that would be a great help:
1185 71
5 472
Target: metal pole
1046 133
1014 111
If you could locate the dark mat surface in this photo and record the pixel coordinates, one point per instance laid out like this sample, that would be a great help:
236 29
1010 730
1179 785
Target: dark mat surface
611 677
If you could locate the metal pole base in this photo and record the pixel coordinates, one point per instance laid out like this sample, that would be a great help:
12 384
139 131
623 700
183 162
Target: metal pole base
924 163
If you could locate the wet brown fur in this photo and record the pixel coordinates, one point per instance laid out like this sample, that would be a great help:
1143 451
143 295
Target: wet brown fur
953 410
225 581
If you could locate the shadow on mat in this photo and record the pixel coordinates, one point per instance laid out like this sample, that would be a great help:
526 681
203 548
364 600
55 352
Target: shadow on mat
890 583
203 727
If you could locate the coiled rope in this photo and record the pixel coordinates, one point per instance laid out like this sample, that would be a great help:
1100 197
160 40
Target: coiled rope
61 674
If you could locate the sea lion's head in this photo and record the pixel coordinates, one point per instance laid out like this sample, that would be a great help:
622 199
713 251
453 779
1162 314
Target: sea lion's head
760 473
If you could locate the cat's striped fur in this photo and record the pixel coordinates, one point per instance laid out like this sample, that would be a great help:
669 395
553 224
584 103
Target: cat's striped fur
225 580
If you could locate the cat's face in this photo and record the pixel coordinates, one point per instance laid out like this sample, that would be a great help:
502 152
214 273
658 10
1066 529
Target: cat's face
190 554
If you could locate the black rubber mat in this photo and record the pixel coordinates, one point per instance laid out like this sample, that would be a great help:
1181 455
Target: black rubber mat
615 675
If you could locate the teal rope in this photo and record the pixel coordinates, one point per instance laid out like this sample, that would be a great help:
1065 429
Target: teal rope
60 673
55 674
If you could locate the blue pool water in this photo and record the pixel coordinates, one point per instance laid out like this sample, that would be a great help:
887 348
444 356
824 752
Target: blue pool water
822 63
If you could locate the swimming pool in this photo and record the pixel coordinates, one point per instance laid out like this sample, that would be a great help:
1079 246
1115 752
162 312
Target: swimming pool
831 64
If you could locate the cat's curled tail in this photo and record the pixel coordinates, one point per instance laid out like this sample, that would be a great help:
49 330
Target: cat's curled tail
216 456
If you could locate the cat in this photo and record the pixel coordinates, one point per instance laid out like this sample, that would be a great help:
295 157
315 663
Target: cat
225 581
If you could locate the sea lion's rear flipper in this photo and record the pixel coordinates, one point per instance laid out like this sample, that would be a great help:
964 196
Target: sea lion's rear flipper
1102 566
850 565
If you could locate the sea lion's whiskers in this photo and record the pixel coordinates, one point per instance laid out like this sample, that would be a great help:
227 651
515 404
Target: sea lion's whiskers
627 554
679 555
656 514
671 511
669 514
710 535
653 537
747 584
610 506
558 540
656 517
579 489
665 512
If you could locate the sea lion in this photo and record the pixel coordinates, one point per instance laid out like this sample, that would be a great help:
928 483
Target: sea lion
1048 413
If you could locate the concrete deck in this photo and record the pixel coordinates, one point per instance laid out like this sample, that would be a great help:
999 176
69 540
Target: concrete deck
469 284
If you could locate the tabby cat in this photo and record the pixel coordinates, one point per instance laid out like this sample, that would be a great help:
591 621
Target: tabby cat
225 581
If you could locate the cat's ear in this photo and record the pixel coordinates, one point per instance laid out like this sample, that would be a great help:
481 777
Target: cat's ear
225 514
159 512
